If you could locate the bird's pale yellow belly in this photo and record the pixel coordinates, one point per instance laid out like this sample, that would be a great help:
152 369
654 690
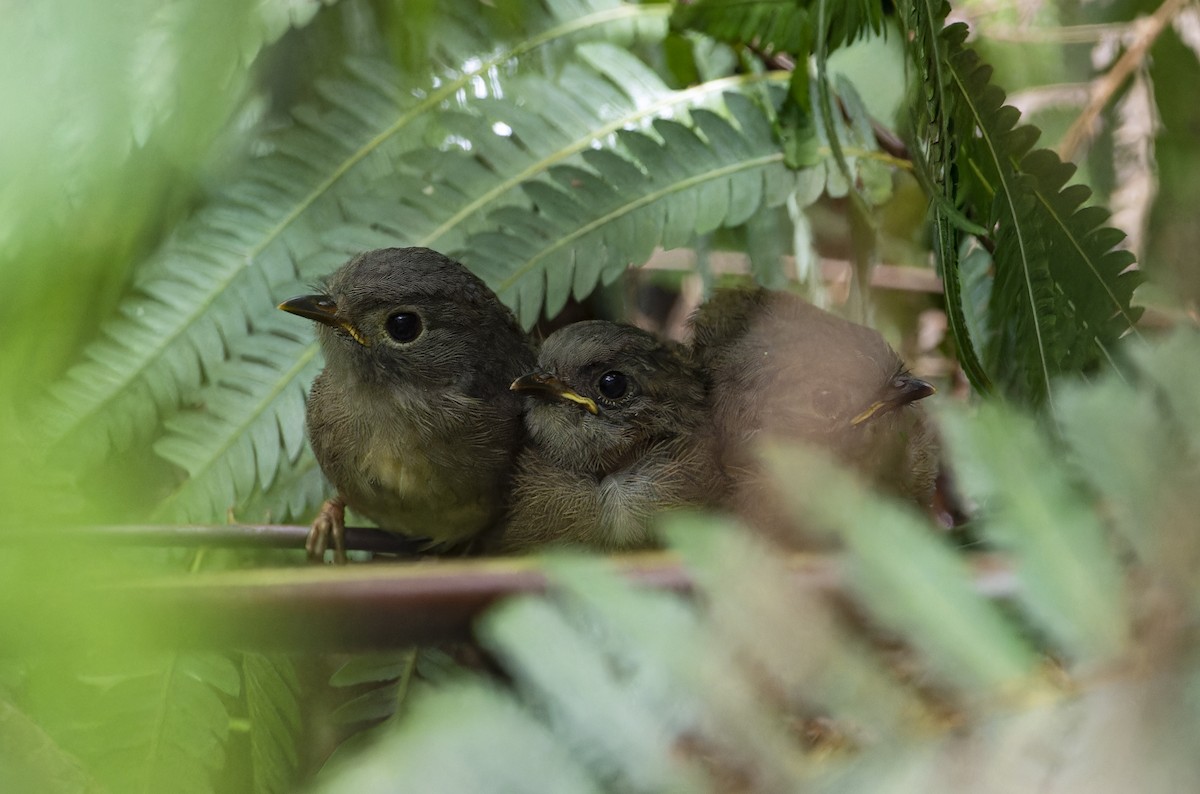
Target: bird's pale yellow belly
413 495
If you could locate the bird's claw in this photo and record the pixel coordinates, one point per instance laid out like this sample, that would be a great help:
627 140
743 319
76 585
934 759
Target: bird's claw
330 523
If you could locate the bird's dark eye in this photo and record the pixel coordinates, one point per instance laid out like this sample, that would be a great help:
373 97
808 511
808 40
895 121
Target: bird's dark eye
612 385
404 326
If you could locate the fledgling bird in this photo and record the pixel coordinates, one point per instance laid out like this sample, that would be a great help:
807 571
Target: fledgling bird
783 368
618 431
412 419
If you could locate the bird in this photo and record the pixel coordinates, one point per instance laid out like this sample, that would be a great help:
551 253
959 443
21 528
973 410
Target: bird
618 431
412 420
782 368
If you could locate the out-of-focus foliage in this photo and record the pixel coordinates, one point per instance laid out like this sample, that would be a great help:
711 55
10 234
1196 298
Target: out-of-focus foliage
170 170
273 696
1083 682
779 26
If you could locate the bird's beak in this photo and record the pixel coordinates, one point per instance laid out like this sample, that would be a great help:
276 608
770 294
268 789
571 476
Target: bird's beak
902 390
322 309
544 385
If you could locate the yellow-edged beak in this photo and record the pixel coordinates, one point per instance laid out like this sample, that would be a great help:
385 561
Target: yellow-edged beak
902 390
540 383
322 309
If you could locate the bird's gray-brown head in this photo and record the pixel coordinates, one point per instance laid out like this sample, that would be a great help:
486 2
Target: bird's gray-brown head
601 391
779 362
414 317
847 378
783 368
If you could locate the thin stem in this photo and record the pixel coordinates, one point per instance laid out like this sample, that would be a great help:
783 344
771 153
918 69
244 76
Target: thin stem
1106 87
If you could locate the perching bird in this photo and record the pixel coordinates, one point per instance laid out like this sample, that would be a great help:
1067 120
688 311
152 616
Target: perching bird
618 431
783 368
412 419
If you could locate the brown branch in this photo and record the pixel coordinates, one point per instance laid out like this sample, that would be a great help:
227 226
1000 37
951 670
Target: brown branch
396 605
887 140
357 607
1069 34
1109 83
261 536
775 61
350 608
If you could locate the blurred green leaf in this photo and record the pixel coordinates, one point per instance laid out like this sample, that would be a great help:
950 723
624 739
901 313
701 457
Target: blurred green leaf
1130 457
472 738
925 593
31 761
777 26
610 725
749 594
1174 366
151 723
273 704
1070 579
677 664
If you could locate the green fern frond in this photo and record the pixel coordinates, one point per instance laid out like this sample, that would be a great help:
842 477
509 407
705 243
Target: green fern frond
1061 295
32 761
299 487
814 660
194 298
201 292
502 740
442 196
697 686
387 674
935 167
1031 509
926 593
792 29
771 25
624 738
1164 381
250 425
589 224
972 273
164 721
386 683
778 26
273 706
277 17
1174 370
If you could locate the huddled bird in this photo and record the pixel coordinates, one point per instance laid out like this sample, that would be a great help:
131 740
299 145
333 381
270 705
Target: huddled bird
412 419
782 368
618 431
434 418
